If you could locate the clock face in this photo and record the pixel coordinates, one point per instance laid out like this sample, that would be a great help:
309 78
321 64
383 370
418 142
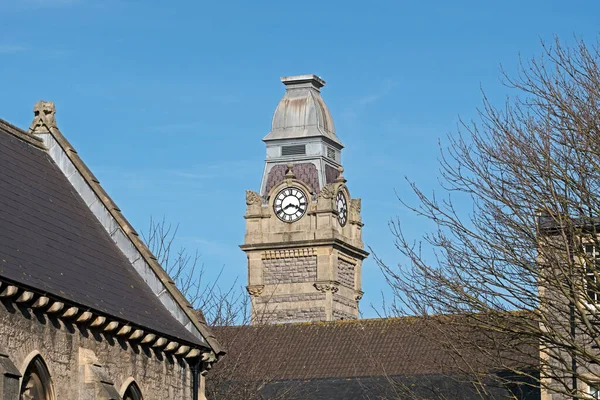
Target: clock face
290 204
342 208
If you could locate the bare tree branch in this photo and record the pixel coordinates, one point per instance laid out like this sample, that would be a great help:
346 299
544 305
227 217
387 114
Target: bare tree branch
514 264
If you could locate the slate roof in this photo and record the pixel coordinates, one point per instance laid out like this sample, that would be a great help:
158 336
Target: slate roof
304 172
52 243
338 357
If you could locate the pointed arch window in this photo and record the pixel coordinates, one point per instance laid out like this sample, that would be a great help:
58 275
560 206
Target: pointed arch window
37 384
133 392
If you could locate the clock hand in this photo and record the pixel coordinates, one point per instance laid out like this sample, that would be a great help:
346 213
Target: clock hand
290 205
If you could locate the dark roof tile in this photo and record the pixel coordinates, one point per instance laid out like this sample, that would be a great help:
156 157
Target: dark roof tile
51 241
341 349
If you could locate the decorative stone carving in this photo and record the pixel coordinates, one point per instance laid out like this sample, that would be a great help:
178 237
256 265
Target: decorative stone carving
355 205
326 286
340 178
288 253
358 295
207 361
327 192
43 120
289 174
255 290
252 198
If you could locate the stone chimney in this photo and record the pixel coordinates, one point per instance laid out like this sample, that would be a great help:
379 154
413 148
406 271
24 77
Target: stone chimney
303 81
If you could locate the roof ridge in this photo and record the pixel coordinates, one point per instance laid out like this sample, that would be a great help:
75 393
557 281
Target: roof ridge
121 232
21 134
134 238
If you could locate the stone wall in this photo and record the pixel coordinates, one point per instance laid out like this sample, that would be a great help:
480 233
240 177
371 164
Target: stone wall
290 298
290 269
296 315
345 273
338 314
344 308
70 352
292 307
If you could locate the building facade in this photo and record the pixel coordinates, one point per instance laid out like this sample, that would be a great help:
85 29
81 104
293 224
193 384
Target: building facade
303 228
86 311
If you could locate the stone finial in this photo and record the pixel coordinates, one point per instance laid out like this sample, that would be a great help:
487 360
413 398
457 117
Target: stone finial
290 171
43 119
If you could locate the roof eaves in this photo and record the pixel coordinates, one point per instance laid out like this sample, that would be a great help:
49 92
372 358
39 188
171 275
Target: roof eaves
124 235
21 134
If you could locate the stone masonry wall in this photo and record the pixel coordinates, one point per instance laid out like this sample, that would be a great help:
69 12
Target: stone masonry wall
337 314
23 332
292 307
345 273
299 315
290 269
341 305
289 298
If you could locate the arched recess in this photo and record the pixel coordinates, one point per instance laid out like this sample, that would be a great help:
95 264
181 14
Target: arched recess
133 392
37 383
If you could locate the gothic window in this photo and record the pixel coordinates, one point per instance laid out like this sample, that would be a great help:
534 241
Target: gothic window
133 392
37 384
592 273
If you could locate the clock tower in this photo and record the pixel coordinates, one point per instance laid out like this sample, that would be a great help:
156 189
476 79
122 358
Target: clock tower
303 228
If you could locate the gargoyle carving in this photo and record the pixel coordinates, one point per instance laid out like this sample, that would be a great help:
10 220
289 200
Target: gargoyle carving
255 290
43 119
326 286
355 205
208 359
327 192
252 197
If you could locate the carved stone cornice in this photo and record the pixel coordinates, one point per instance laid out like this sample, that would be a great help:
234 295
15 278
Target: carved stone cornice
255 290
287 253
95 320
327 286
353 251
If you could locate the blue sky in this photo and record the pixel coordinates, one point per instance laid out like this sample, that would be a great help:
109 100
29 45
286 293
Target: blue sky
167 102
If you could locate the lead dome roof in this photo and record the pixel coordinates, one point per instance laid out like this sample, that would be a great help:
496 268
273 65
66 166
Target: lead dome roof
302 113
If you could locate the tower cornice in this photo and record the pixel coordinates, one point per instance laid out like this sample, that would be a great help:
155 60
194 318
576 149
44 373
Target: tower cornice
353 251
